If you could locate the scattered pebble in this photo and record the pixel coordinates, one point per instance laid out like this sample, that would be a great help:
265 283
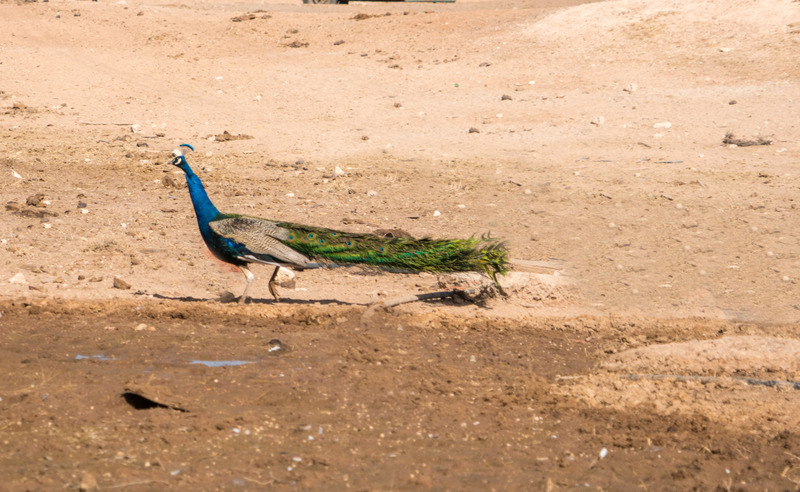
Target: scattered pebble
436 213
337 172
603 453
630 88
36 200
474 130
663 124
121 284
598 120
18 278
88 482
505 97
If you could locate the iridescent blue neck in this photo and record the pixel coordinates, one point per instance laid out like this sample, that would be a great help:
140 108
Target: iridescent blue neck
203 208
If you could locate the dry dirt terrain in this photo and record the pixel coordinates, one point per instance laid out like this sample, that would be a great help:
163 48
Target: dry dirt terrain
646 153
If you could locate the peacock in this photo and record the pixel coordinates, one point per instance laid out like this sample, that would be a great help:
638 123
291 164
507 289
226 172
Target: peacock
243 239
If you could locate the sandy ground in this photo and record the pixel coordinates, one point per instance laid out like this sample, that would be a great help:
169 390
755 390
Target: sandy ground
660 354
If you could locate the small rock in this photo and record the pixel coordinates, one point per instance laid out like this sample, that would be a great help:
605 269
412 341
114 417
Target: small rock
168 182
19 278
338 172
274 345
630 88
284 276
598 120
505 97
372 193
474 130
121 284
88 482
436 213
663 124
35 200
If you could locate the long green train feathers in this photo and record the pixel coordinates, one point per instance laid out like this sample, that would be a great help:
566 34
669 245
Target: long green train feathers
398 253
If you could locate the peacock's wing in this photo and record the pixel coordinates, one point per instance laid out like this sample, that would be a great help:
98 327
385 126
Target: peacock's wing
257 239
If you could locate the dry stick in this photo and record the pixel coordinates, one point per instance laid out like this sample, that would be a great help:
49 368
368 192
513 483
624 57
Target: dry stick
104 124
138 482
771 383
414 298
424 297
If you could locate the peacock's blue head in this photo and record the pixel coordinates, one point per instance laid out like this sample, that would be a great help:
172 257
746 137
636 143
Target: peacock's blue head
180 154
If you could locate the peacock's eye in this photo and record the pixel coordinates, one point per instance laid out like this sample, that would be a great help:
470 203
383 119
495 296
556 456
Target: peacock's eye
382 249
321 241
349 243
311 236
291 237
333 233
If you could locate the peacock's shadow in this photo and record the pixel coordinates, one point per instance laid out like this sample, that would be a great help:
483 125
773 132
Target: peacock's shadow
251 300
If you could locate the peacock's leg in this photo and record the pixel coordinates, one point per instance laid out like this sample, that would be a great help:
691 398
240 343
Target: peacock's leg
248 276
273 285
